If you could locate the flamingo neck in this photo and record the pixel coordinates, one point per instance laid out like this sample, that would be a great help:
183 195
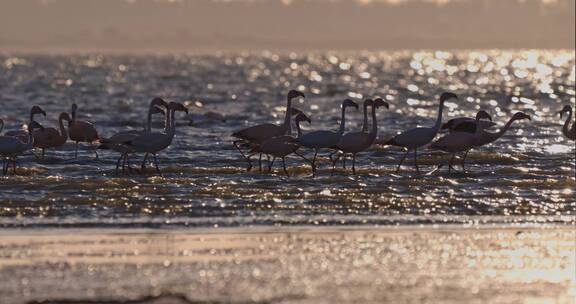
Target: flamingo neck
365 124
298 129
566 128
502 131
287 121
438 123
148 127
62 128
374 122
1 126
342 121
30 137
73 115
171 122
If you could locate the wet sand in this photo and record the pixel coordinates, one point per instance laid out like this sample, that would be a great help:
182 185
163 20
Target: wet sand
406 264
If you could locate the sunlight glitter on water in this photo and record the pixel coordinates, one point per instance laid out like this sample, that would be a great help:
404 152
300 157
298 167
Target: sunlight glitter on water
522 175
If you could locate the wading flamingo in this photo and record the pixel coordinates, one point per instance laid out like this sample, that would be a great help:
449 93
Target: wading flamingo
82 131
257 134
419 137
325 139
116 141
155 142
282 146
486 137
570 133
51 137
11 147
459 141
23 134
356 142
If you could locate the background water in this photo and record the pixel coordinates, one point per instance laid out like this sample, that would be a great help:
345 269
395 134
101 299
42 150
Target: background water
527 177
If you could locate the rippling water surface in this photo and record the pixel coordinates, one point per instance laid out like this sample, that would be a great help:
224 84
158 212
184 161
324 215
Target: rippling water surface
527 177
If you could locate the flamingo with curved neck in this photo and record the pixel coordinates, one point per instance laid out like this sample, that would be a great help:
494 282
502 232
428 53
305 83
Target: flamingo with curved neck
153 143
460 141
325 139
259 133
11 147
419 137
52 137
22 135
282 146
82 131
357 142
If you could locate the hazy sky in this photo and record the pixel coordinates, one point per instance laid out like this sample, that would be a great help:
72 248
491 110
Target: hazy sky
192 25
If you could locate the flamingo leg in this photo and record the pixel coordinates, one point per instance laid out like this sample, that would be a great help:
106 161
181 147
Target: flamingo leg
284 166
14 165
402 160
118 164
270 164
353 163
76 151
235 143
156 164
314 160
96 151
334 165
450 163
344 161
143 166
416 160
260 162
43 152
464 160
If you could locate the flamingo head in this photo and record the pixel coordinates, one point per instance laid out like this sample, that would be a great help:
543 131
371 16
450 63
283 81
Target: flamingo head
483 115
293 94
302 117
368 102
379 102
158 102
447 96
349 103
37 110
565 109
65 116
176 106
520 116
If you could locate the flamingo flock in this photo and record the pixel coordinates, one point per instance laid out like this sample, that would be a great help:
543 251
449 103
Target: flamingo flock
269 140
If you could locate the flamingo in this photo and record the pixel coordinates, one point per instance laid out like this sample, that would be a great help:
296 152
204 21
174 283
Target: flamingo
51 137
82 131
257 134
116 141
356 142
489 137
418 137
324 139
282 146
570 133
11 147
367 103
459 141
155 142
23 134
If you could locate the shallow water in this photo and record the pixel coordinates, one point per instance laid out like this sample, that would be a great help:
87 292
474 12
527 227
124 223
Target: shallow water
527 177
